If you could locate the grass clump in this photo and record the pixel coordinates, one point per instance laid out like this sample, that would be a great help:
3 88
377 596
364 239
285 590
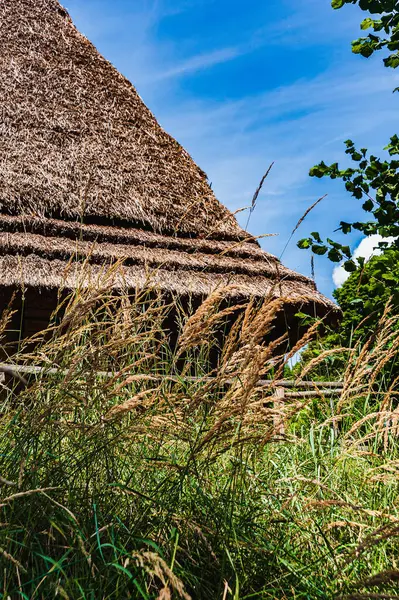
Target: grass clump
126 471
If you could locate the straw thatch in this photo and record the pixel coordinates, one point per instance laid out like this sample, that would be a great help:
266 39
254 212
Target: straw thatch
86 172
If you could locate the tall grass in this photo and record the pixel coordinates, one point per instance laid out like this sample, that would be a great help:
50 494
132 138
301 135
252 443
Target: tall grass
130 473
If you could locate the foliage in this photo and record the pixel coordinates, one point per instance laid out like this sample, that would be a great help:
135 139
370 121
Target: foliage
373 181
387 23
363 299
364 296
122 477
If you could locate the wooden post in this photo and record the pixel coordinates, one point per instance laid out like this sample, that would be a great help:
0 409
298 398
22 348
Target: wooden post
278 419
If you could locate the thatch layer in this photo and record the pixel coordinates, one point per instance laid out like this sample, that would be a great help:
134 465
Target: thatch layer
244 249
204 259
35 271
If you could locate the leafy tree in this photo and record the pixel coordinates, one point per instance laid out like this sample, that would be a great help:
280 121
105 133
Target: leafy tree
362 299
388 23
364 296
372 180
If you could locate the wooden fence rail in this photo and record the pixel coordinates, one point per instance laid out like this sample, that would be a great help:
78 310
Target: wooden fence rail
307 389
285 388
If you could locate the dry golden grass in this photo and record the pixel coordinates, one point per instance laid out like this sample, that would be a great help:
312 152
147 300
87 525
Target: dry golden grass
157 432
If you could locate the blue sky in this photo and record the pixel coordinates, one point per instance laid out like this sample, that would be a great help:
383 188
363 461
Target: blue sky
242 84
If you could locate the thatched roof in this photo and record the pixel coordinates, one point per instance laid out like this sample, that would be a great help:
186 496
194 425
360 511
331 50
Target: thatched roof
87 172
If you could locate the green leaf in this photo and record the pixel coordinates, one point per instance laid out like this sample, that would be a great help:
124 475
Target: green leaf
361 261
345 227
319 170
335 245
350 266
316 236
319 250
368 205
301 315
347 251
304 244
390 277
366 23
373 6
364 46
334 255
337 4
392 61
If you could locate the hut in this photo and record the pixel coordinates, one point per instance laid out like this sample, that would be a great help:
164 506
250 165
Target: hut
86 171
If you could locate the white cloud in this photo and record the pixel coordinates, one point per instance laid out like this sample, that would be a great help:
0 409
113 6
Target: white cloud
197 63
367 248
